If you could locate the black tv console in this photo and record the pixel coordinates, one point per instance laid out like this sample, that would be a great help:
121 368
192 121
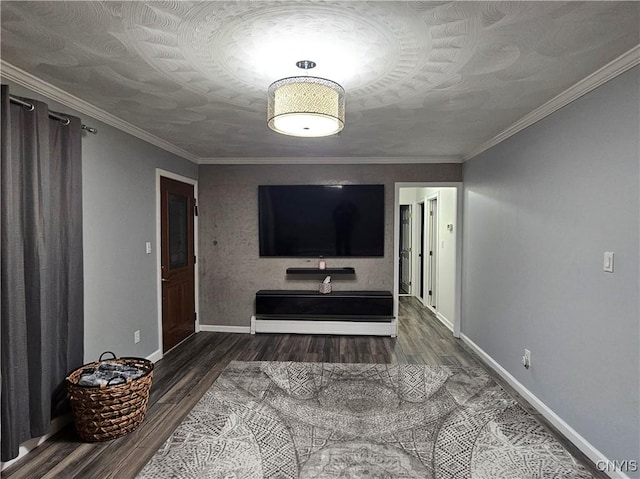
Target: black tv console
344 305
311 312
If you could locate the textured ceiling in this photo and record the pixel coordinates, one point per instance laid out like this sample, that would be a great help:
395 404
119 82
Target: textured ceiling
422 79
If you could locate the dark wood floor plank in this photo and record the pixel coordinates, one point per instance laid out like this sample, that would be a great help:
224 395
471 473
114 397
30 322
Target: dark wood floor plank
81 454
189 370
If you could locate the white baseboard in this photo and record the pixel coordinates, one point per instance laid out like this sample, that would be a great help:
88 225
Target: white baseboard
444 320
306 326
571 434
26 447
223 328
155 356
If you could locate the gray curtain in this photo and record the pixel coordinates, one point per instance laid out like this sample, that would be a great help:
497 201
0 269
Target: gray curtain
41 284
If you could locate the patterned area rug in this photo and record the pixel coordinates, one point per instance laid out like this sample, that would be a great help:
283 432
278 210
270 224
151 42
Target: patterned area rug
319 420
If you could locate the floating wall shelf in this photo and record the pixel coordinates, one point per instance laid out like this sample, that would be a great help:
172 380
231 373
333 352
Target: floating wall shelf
323 272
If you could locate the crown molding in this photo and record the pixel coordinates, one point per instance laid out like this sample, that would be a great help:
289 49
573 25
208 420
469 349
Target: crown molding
27 80
320 160
624 62
611 70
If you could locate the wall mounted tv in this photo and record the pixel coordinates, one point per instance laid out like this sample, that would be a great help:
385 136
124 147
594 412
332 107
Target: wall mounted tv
321 220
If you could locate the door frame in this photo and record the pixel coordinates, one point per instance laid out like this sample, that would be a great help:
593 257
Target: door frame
433 264
196 284
458 232
419 237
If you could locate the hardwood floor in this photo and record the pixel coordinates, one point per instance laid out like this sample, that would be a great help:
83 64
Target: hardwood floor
186 372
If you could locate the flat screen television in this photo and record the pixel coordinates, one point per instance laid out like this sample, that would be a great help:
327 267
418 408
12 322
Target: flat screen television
321 220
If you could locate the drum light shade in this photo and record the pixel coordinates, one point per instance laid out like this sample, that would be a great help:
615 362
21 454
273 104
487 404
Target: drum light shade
305 106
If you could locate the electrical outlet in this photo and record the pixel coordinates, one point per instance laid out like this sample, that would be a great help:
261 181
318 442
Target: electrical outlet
136 336
526 359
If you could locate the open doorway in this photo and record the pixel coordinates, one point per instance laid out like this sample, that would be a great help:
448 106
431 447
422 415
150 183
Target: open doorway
433 251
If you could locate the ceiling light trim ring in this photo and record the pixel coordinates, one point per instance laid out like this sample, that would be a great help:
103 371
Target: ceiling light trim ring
305 79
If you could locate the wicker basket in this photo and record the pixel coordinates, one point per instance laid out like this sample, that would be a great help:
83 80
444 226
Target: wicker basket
102 413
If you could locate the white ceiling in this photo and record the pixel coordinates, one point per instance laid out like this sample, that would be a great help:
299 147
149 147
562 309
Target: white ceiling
423 80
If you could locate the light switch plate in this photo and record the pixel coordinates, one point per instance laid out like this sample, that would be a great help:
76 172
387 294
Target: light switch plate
147 247
608 262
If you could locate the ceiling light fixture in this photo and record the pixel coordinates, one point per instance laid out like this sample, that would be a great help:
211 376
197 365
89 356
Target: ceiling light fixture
305 106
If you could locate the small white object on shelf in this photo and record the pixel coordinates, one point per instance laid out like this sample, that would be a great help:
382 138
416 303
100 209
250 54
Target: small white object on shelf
325 286
322 264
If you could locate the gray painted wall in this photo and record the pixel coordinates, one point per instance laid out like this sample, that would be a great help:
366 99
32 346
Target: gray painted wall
119 215
540 210
230 269
119 194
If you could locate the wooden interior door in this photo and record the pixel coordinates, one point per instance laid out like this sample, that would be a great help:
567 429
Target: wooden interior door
177 205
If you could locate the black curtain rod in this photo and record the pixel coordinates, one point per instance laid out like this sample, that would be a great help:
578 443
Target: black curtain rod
55 116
